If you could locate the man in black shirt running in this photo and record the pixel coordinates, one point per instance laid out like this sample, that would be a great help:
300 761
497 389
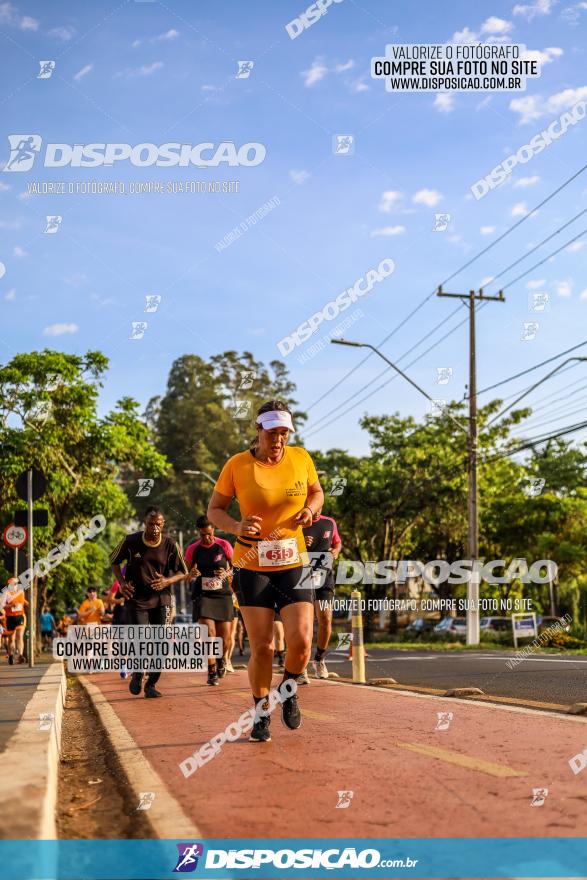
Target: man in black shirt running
153 563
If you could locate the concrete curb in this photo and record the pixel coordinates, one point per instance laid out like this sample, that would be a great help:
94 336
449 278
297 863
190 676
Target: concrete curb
31 763
165 816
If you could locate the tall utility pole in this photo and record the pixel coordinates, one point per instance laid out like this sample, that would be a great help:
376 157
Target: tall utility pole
473 493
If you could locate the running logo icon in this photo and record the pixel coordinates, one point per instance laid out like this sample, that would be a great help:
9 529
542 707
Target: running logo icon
343 145
53 224
529 330
539 795
47 68
241 409
338 486
244 69
344 800
138 329
146 798
441 222
443 375
152 301
145 486
23 151
533 488
444 719
344 641
187 861
246 380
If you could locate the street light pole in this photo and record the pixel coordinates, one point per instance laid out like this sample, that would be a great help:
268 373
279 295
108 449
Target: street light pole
201 474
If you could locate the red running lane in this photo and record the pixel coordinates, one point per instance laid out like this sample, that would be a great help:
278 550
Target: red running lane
349 740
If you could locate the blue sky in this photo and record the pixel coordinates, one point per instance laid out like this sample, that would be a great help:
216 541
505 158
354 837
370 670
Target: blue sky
139 72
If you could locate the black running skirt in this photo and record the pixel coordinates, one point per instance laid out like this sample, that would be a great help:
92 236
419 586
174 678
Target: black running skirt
213 607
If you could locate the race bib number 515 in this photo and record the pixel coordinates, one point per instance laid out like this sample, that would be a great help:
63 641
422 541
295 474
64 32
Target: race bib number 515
276 553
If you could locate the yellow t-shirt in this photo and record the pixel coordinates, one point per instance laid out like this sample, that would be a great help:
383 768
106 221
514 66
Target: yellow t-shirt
96 615
275 492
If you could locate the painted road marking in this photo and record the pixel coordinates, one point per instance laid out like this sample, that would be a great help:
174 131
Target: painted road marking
317 715
488 767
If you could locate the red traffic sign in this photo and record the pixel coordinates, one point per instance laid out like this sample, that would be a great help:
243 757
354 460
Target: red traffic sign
15 536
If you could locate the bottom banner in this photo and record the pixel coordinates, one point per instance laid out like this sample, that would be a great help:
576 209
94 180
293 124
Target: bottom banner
503 857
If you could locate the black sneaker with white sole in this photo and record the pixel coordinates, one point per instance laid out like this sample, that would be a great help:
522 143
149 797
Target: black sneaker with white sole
213 676
221 668
260 732
290 712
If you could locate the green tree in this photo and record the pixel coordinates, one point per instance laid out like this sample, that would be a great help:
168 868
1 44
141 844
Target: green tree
49 420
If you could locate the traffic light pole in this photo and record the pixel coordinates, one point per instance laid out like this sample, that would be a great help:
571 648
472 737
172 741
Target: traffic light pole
472 445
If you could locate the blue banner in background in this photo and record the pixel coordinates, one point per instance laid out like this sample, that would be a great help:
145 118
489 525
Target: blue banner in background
383 858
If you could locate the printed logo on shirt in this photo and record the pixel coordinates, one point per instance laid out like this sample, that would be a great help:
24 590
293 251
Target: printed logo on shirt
218 557
327 534
299 488
137 556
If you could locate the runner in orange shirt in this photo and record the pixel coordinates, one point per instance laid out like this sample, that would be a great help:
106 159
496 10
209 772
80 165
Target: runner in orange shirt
15 621
92 609
278 492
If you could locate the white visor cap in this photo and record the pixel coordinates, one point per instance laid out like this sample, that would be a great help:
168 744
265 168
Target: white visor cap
275 418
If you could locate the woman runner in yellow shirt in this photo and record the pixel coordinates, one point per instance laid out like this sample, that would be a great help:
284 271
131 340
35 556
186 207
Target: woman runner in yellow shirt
278 492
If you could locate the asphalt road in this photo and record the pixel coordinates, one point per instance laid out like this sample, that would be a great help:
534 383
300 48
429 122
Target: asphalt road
553 678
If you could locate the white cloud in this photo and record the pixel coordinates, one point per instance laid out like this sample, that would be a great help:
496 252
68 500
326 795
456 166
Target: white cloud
28 24
487 230
25 196
340 68
4 186
171 34
83 72
10 15
135 44
208 88
583 294
527 181
444 102
576 246
428 197
388 230
465 36
76 280
299 177
64 33
314 74
60 329
19 251
543 57
10 295
360 85
484 103
572 14
531 10
494 25
563 287
144 70
536 285
519 209
533 107
389 200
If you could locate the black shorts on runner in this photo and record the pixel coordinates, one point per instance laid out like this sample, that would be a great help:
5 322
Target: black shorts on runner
13 621
271 589
325 594
219 608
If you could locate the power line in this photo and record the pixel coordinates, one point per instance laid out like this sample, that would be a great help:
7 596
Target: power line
535 441
537 247
446 280
535 367
553 254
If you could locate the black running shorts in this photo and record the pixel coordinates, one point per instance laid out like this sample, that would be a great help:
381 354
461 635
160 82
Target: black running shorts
270 589
13 621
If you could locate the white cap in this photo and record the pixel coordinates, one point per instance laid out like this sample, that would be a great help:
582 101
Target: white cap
275 418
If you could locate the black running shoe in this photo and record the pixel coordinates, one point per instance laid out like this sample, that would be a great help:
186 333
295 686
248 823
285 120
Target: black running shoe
151 691
260 732
290 712
11 660
221 668
213 677
136 681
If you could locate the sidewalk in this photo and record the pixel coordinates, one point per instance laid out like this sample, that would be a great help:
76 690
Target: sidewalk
408 779
31 707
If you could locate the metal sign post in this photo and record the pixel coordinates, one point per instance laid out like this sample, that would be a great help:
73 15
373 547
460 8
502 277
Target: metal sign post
32 604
